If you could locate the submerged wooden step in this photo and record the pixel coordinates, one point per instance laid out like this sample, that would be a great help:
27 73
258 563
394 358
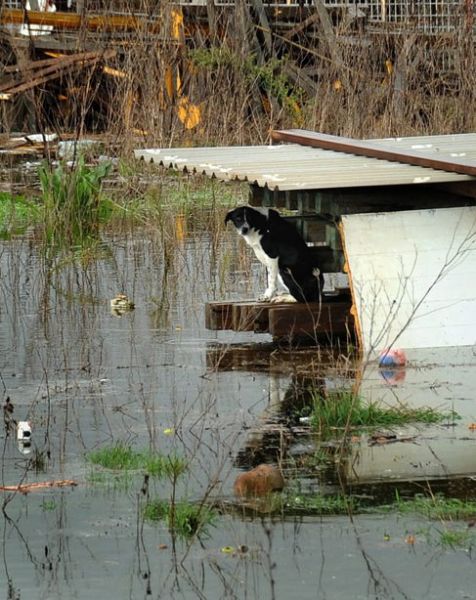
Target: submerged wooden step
324 320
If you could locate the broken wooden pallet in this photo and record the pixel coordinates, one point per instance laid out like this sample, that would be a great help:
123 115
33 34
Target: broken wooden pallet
315 321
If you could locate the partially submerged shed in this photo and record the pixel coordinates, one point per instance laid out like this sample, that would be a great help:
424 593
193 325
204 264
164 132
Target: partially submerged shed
398 215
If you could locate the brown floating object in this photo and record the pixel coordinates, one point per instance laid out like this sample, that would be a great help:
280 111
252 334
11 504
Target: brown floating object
260 481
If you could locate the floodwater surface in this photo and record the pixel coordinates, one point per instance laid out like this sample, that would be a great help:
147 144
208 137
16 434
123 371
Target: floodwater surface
87 378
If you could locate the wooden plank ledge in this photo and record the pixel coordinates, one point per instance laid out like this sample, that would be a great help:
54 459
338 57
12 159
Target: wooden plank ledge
318 321
324 320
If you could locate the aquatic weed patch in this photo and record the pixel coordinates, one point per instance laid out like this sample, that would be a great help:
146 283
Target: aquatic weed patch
73 202
455 538
344 409
183 518
122 457
17 213
437 508
447 527
319 504
121 481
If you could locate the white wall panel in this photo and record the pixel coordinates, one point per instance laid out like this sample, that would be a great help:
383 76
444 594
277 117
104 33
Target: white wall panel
413 277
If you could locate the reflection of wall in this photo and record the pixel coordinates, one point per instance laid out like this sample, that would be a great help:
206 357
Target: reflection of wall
441 379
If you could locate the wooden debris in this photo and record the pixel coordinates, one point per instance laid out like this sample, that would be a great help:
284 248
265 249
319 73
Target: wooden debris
25 488
301 26
71 20
34 75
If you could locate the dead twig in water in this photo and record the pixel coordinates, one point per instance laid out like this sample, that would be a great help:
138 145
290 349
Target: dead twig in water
24 488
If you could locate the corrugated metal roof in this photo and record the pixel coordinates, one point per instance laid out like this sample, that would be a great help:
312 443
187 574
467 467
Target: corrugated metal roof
295 167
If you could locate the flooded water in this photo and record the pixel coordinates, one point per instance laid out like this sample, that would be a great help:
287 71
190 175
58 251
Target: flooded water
86 378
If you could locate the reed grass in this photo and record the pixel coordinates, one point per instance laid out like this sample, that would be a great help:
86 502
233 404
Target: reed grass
73 203
319 504
451 538
17 213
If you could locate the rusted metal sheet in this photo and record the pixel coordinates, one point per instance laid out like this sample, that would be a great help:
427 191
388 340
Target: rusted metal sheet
289 167
413 277
374 149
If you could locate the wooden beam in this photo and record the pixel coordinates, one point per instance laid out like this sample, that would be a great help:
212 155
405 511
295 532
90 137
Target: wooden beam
264 24
301 26
372 150
66 20
218 315
57 69
315 322
310 322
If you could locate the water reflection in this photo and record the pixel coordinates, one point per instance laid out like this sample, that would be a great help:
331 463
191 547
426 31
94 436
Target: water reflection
156 378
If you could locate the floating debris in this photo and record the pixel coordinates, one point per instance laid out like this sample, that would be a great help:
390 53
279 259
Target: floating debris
23 430
260 481
121 304
392 358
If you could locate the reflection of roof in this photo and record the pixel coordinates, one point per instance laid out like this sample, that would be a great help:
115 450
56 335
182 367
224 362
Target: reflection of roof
296 167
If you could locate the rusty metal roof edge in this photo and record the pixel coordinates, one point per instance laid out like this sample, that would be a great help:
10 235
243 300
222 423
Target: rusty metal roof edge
372 149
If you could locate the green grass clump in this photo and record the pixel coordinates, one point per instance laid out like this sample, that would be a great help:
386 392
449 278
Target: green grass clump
451 538
73 202
48 505
344 409
116 481
185 519
438 508
17 213
123 457
319 504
